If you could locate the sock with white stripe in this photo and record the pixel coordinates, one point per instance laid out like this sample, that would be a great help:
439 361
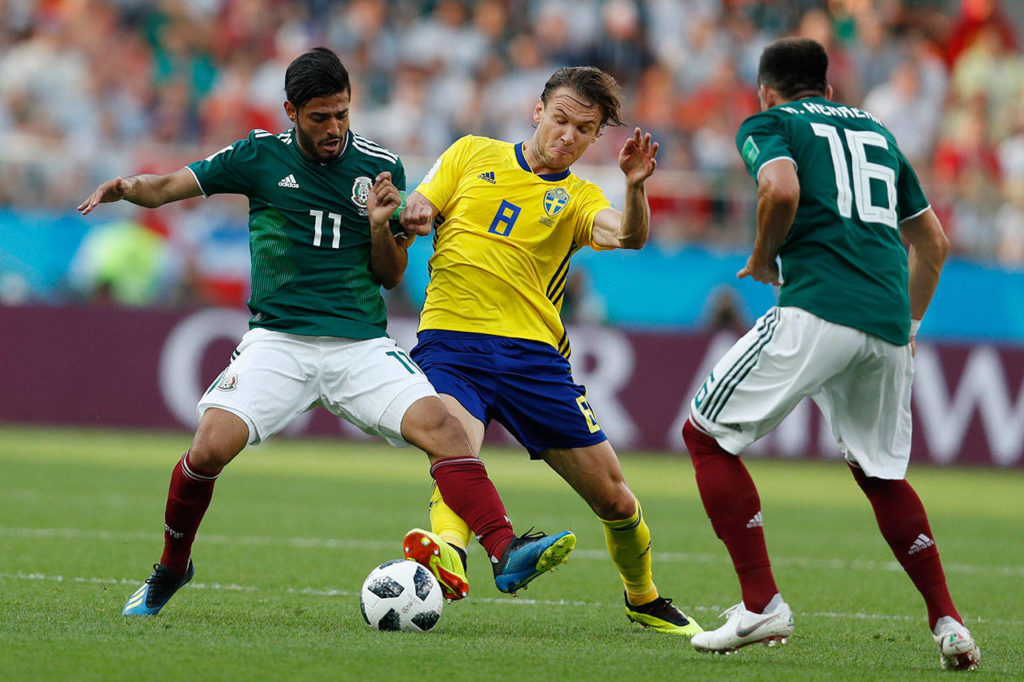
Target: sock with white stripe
904 525
187 500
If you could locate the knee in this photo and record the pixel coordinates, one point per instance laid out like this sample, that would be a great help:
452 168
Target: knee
616 505
211 453
436 431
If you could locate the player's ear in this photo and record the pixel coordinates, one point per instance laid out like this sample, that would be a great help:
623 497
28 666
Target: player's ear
537 112
828 92
290 111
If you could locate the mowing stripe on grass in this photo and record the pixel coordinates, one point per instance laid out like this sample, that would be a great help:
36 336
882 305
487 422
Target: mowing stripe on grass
507 601
813 563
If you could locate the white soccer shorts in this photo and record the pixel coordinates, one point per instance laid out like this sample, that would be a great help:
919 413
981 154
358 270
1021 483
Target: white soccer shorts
860 382
275 376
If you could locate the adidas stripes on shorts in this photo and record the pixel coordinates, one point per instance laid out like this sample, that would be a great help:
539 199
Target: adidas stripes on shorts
860 382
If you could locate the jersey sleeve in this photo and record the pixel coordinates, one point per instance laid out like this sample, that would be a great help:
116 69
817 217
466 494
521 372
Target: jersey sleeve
761 140
229 171
443 177
591 202
910 197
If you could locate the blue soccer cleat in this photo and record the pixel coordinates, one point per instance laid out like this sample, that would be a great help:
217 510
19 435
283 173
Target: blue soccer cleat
157 590
529 555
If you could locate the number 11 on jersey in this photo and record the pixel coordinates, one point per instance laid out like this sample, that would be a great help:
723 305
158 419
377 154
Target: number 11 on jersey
318 225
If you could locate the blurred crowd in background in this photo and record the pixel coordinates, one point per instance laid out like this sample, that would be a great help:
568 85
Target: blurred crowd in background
92 89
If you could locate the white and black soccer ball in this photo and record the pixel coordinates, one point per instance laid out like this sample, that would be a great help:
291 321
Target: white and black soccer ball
401 595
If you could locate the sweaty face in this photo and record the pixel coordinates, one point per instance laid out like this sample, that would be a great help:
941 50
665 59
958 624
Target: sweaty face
566 125
321 125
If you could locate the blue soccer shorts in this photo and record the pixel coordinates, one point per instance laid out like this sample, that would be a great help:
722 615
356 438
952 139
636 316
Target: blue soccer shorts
526 386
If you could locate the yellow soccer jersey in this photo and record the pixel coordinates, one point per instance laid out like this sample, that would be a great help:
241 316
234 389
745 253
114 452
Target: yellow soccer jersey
503 241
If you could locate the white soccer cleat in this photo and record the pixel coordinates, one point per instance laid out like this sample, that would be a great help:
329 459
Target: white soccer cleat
957 649
742 627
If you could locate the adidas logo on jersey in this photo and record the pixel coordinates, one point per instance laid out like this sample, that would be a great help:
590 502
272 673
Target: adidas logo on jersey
289 181
488 176
755 521
922 542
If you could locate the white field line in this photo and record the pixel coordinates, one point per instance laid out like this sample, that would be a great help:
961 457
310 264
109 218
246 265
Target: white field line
505 601
585 554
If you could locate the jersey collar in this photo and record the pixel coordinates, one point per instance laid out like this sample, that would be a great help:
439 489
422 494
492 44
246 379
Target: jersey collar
551 177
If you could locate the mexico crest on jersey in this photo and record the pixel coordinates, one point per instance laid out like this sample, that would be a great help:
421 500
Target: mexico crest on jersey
555 200
361 192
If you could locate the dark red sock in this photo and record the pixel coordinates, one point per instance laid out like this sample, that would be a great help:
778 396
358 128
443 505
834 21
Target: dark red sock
466 488
904 525
187 501
734 507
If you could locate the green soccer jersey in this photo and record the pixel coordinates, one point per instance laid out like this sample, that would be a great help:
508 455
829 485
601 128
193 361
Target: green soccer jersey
843 260
309 234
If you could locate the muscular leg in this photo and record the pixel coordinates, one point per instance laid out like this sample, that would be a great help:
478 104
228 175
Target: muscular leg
459 473
221 436
595 474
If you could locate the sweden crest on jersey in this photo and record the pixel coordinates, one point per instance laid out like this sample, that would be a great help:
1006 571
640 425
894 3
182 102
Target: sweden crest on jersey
555 200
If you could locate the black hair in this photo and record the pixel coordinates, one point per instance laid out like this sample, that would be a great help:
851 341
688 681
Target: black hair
317 73
593 84
793 66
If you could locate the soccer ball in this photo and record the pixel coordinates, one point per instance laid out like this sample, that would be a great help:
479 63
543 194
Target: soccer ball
401 595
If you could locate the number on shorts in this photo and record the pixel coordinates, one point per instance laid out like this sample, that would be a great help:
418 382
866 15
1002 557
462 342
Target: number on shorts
406 361
588 414
703 392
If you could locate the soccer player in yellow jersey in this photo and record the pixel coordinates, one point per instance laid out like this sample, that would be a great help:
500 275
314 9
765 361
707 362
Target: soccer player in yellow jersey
508 217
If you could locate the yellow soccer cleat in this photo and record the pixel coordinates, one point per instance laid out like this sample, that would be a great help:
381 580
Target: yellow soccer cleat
441 559
662 616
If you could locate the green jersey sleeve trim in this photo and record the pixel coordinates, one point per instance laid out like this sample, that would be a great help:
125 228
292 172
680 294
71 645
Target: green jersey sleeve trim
189 168
911 217
773 160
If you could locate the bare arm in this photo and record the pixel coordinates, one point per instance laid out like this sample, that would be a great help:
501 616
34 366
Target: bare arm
388 255
629 228
778 195
418 216
928 249
149 191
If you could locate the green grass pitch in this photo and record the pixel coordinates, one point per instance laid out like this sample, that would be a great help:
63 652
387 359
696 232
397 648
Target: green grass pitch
295 526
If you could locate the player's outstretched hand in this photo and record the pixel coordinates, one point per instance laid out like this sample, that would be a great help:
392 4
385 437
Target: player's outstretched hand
636 158
111 190
766 273
382 200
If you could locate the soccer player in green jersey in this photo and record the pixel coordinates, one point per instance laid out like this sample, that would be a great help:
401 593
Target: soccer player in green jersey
836 200
321 200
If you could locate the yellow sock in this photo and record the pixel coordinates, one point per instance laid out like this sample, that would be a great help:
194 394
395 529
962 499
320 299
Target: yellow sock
629 544
446 523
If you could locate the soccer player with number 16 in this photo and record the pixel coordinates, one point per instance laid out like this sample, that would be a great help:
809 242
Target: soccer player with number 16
836 199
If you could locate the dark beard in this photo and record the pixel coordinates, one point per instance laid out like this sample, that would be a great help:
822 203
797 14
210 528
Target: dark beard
307 145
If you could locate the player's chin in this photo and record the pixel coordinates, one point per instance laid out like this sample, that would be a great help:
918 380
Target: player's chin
329 151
